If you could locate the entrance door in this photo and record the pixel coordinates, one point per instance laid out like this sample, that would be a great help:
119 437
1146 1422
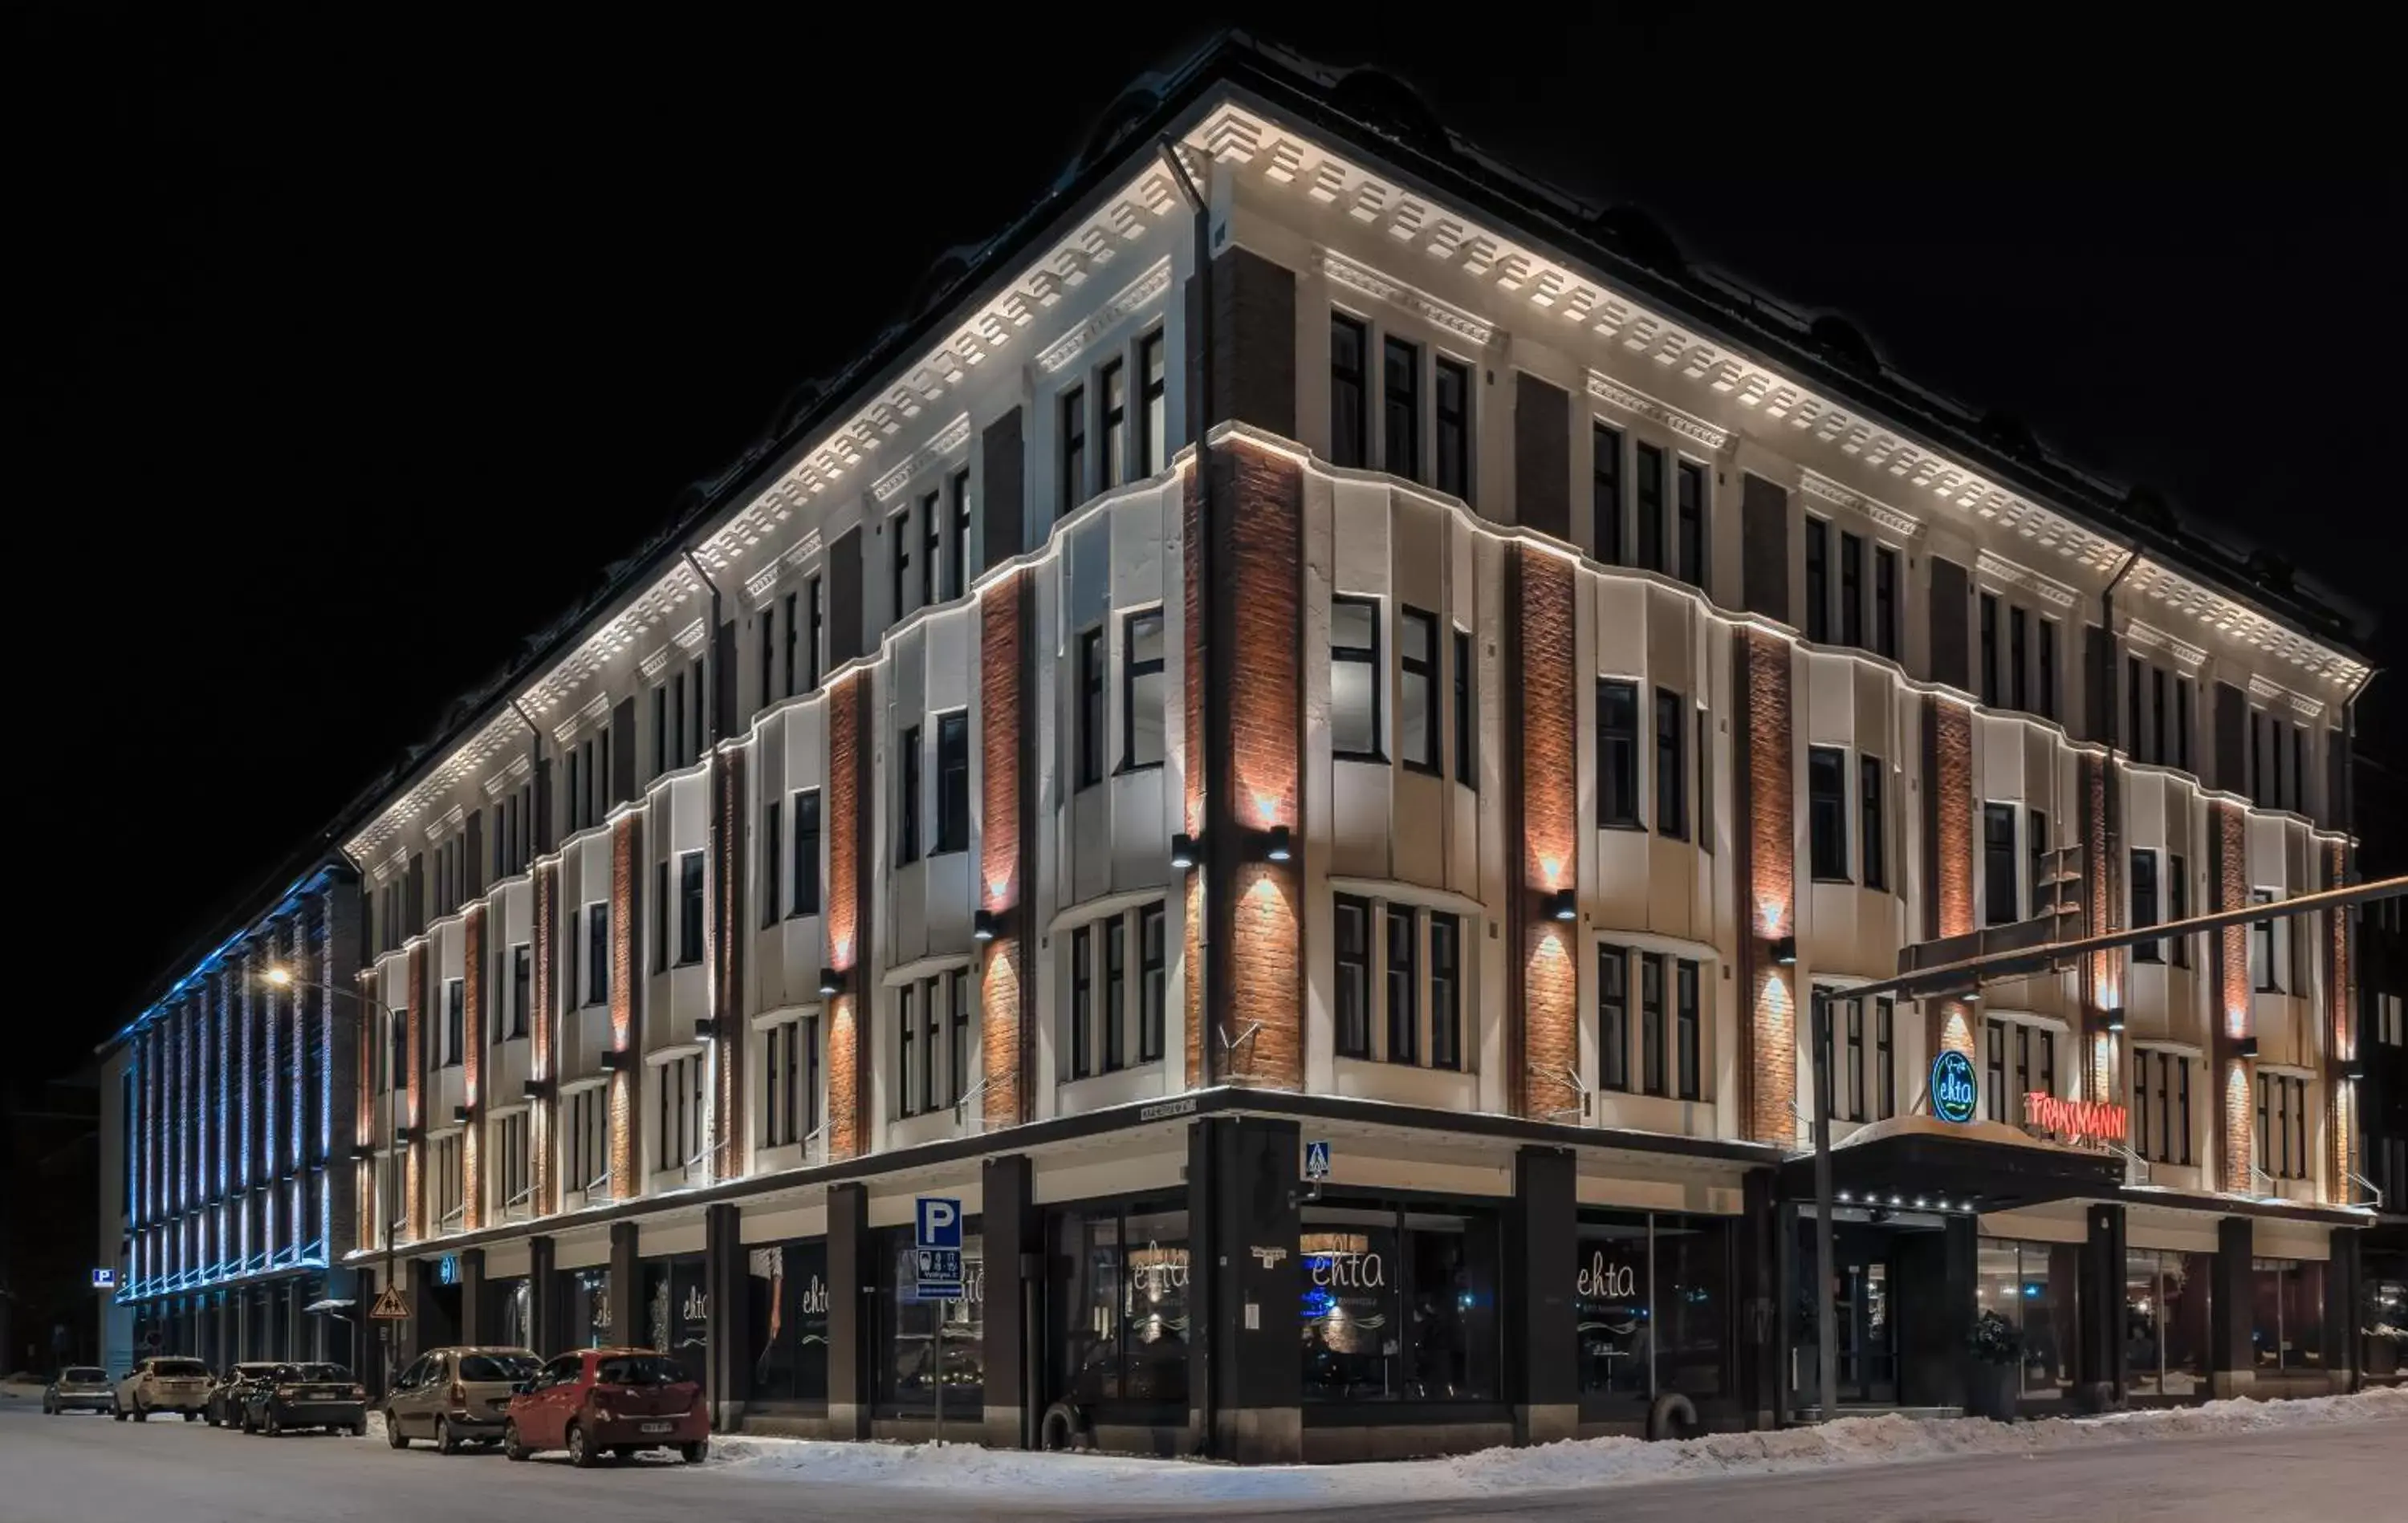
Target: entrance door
1869 1301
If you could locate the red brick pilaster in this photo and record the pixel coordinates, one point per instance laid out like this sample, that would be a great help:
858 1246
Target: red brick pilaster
2341 1041
414 1044
472 1069
729 879
1202 1064
543 1062
626 1035
1004 739
1544 1054
848 819
370 1028
1768 1024
1951 1021
2236 1077
2102 972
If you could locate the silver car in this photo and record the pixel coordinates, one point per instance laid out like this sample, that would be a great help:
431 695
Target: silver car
456 1396
162 1385
78 1388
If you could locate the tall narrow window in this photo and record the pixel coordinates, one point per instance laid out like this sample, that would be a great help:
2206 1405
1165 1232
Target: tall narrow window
1686 1056
1353 992
1467 715
806 852
1605 491
908 801
1417 690
1617 754
1446 991
1082 1000
1115 992
957 562
2158 706
1818 579
2263 948
521 987
954 781
2300 768
907 1031
1349 345
1672 771
1152 984
2048 668
1115 389
1884 1019
661 916
1885 601
2144 905
2018 668
1872 826
1404 1004
1153 442
1612 1019
1090 707
1454 411
768 655
957 1013
2132 736
1998 863
1651 507
1990 650
794 638
1689 500
1852 590
690 907
1826 812
1141 696
1074 447
814 644
2178 907
1400 376
1355 678
899 554
2036 863
1651 1022
597 952
932 547
456 1020
2182 722
773 862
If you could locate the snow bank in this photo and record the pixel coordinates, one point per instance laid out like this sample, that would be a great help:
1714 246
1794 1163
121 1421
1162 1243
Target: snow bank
1575 1463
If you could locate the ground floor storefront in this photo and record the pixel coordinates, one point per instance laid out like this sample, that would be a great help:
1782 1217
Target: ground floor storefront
310 1313
1168 1280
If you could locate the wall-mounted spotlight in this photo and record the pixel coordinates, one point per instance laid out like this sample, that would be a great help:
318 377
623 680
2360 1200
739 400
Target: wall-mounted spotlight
831 982
616 1059
1563 904
362 1151
536 1089
2246 1047
1186 851
985 925
2354 1069
2115 1021
1277 845
1785 952
705 1028
459 1113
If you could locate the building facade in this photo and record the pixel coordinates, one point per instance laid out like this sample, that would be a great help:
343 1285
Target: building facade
1313 639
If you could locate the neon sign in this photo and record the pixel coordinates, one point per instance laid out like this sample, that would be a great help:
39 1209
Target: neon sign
2084 1121
1954 1095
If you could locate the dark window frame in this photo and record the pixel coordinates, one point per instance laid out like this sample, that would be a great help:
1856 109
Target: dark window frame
953 783
1451 464
1671 765
1134 671
1072 458
1400 414
1362 655
1872 823
1350 393
1827 814
804 899
1089 733
1605 487
908 800
693 906
1617 755
1423 669
1467 710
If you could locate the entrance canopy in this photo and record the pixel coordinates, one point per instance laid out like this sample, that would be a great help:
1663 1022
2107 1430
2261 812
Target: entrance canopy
1981 1165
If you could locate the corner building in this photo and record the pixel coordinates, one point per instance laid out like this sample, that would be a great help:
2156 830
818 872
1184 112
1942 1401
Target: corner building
1433 676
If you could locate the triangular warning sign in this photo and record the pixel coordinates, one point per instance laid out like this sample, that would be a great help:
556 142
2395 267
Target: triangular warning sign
389 1306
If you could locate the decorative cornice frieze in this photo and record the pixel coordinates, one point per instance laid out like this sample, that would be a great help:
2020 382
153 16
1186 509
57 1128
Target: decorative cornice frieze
654 664
1365 281
941 445
1639 403
2156 639
2244 626
2304 705
2260 687
466 762
1904 525
2007 572
444 824
1133 298
597 709
690 639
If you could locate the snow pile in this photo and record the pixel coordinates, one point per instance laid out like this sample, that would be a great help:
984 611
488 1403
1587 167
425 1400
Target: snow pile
1574 1463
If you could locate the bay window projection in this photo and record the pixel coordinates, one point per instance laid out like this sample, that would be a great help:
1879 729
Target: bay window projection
1670 1035
2283 1126
1118 991
2021 1059
1413 1013
1355 678
932 1051
790 1081
1860 1051
2160 1106
678 1106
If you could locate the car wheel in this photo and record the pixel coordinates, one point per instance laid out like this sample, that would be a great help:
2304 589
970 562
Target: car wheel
444 1441
49 1408
581 1453
141 1412
696 1452
359 1427
273 1427
192 1416
392 1434
115 1410
511 1447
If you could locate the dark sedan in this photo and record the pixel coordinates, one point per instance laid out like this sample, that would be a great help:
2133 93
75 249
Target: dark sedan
78 1388
230 1391
308 1396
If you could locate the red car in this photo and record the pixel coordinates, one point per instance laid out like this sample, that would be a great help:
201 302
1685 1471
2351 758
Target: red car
609 1400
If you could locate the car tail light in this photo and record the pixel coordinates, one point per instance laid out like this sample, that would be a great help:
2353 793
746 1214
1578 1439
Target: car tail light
358 1393
459 1394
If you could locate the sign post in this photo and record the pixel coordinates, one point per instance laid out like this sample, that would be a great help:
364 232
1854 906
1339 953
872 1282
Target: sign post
937 1255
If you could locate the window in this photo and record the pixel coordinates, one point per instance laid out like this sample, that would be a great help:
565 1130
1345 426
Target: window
1417 690
907 796
773 862
2048 668
1404 1004
1690 502
812 647
1818 579
932 547
511 1168
521 987
2036 848
1355 678
954 781
2018 693
2178 907
2157 714
1651 507
768 655
1114 383
1082 1000
1605 491
2265 975
2182 722
2145 906
1398 1303
1998 863
597 952
1617 754
1852 590
1684 1028
680 1105
959 1008
445 1170
690 907
2160 1106
1612 1019
789 1082
1153 431
1115 994
1651 1022
1990 650
957 563
1885 601
2167 1320
1126 1303
1142 719
1400 375
1885 1056
1455 428
907 1031
1090 707
932 1032
586 1139
1074 447
1671 772
794 638
456 1020
2283 1126
1446 991
806 852
1826 812
1467 716
1154 1004
660 916
1352 928
900 527
1872 826
1349 345
2133 707
2034 1069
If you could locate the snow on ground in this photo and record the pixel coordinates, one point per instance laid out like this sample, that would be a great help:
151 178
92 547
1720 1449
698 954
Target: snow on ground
1575 1463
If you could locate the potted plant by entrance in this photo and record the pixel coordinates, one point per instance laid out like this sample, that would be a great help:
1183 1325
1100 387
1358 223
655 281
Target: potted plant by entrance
1996 1371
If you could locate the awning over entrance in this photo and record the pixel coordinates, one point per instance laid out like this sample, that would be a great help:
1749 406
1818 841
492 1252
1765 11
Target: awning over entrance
1980 1165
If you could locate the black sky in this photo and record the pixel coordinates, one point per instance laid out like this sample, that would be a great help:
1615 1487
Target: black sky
364 344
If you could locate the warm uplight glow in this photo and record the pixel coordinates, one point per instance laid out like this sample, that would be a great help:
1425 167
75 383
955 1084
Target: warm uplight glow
280 977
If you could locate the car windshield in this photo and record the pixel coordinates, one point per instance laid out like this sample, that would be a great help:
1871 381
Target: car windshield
253 1371
82 1373
498 1366
643 1370
179 1368
318 1372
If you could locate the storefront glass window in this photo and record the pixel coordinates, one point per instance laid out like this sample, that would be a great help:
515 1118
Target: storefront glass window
2286 1320
677 1310
2032 1286
788 1302
1688 1307
1154 1306
2383 1314
1125 1308
588 1318
909 1364
2166 1320
1650 1302
1398 1304
1610 1306
514 1325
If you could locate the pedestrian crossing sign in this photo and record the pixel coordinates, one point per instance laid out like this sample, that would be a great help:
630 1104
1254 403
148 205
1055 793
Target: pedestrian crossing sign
1317 1161
388 1305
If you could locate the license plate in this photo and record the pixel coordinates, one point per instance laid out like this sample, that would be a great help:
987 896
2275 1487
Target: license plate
656 1428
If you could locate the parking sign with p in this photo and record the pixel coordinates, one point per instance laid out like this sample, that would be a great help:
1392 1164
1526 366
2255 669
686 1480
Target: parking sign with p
939 1224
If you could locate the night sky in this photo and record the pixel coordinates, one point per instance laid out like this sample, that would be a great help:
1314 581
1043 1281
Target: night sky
359 351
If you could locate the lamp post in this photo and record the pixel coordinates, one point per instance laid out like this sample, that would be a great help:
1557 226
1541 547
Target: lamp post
389 1188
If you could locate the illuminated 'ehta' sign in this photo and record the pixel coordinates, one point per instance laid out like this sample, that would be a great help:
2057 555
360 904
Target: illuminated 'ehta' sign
1954 1094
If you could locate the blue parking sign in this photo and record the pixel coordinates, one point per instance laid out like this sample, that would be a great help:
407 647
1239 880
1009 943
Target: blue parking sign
937 1223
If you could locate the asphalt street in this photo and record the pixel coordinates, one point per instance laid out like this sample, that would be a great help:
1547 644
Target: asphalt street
82 1469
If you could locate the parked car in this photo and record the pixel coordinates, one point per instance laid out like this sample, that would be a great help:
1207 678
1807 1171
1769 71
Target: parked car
610 1401
456 1396
305 1396
226 1393
162 1385
78 1385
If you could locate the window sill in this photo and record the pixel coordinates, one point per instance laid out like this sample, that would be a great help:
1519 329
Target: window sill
1637 827
687 962
1426 769
1371 758
1841 882
949 851
1128 767
801 912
